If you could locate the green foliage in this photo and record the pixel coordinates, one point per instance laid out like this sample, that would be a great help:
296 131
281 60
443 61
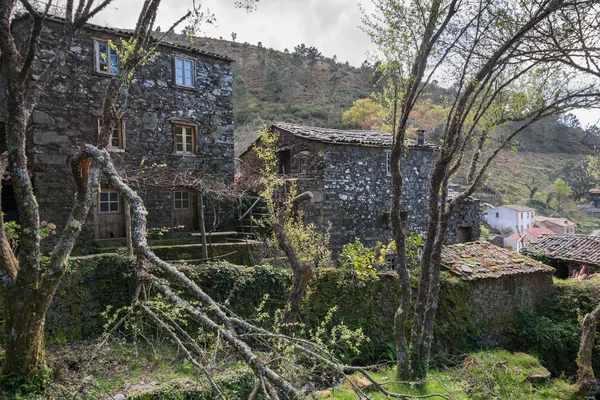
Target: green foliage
356 256
485 232
552 333
311 246
367 260
12 229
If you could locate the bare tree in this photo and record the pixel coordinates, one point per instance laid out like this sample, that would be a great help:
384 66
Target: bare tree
483 49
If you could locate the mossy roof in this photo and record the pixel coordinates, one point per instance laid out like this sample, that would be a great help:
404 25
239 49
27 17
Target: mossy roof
483 260
346 136
578 248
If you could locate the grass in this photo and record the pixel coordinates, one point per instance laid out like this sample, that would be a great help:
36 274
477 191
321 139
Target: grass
482 376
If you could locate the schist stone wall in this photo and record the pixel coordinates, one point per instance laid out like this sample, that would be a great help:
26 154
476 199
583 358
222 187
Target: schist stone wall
491 303
352 189
67 117
358 194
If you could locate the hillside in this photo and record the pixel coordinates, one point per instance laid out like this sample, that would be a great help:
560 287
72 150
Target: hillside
274 86
311 89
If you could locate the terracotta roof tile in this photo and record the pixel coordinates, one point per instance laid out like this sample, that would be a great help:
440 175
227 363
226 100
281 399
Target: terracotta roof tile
578 248
481 260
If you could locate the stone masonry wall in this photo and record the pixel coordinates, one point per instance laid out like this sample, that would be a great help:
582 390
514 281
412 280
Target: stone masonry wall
492 307
311 180
466 215
66 118
358 192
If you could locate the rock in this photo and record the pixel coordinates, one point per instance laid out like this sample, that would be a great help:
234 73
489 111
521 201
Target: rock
323 394
119 396
360 381
142 389
40 117
539 377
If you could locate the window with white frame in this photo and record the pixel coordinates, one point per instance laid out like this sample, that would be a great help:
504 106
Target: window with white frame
117 137
107 58
388 163
181 200
109 201
184 72
185 139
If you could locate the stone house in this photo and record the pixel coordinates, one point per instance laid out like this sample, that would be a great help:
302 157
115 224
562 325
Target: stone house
500 281
179 114
348 172
567 253
556 225
511 217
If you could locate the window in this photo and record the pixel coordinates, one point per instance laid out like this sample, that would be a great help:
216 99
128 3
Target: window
302 165
117 139
181 200
522 215
185 139
497 215
388 163
184 72
508 285
284 162
109 201
107 58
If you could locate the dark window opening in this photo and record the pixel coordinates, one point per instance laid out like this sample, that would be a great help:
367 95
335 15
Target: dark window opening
508 285
9 203
285 163
464 234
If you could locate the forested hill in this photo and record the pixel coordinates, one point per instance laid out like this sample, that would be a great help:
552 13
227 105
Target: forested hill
301 85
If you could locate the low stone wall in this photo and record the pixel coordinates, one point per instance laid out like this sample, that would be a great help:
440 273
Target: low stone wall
96 283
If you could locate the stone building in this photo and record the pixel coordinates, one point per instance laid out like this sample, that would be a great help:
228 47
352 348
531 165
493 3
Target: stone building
567 253
179 114
348 173
501 281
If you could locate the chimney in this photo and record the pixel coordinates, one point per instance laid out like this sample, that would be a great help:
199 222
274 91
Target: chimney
421 137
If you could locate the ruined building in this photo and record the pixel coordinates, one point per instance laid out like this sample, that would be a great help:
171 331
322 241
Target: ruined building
179 114
348 173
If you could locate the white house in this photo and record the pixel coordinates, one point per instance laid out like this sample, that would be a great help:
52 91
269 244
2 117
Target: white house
513 217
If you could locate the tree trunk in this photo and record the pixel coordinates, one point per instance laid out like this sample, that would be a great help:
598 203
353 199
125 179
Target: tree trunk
128 228
24 319
585 375
202 223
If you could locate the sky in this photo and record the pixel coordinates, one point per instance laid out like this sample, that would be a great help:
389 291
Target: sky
332 26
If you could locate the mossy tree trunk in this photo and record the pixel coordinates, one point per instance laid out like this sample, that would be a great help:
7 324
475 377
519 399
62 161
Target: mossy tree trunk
586 380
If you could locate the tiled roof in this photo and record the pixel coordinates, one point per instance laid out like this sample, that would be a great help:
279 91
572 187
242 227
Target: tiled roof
481 260
537 232
555 221
326 135
181 44
518 207
578 248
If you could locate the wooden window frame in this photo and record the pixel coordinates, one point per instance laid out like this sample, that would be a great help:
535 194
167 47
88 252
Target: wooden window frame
388 162
184 140
181 200
303 165
120 127
118 202
97 44
508 285
192 72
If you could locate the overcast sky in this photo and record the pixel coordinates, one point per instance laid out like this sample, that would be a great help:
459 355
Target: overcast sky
332 26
